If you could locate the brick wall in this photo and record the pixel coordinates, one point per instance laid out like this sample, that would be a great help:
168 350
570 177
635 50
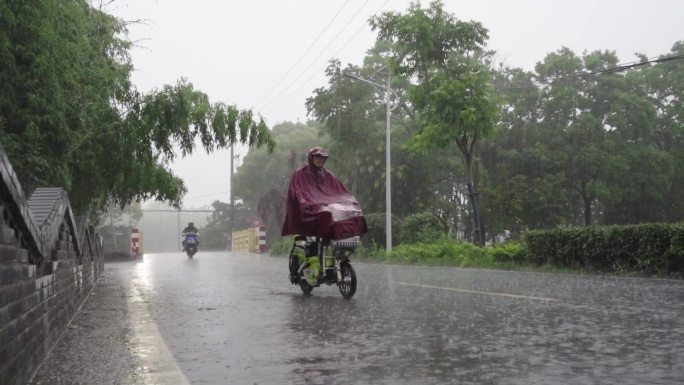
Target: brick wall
45 275
35 311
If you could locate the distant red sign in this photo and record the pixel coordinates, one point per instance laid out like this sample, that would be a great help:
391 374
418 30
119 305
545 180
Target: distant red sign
256 222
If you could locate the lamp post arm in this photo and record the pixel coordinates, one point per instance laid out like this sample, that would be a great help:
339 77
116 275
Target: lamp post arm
378 87
374 84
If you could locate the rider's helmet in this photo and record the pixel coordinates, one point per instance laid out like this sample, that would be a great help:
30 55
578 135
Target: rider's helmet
191 224
316 151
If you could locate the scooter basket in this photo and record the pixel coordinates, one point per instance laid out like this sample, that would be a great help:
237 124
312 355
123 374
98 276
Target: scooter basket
348 244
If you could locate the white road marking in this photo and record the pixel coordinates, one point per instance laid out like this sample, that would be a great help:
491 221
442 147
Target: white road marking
159 366
478 292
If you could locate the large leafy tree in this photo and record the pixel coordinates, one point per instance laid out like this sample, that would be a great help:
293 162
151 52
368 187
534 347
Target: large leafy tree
351 118
446 58
579 143
665 85
352 114
215 233
573 113
70 117
521 187
262 180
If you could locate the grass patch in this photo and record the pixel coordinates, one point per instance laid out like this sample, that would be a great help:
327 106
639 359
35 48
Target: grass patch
447 252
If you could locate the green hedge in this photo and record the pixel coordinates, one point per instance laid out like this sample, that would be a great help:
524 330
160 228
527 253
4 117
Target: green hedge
645 249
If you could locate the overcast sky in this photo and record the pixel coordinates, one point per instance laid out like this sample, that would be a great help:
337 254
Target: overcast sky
270 54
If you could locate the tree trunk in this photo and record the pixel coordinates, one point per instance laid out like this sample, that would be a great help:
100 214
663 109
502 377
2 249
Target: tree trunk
587 205
471 176
587 211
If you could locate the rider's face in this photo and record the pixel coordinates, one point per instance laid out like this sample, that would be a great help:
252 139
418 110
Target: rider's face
318 161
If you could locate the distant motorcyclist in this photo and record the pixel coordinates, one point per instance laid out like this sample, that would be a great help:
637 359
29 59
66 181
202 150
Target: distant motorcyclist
190 229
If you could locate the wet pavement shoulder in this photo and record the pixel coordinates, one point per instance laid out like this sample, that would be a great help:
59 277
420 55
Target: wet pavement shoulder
98 347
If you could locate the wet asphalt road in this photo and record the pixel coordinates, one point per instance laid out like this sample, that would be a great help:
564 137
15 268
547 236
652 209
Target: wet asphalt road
234 319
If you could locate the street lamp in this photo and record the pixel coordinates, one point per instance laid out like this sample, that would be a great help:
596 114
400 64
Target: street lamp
388 181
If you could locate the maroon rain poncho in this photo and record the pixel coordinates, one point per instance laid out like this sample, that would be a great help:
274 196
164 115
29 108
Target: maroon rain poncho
319 204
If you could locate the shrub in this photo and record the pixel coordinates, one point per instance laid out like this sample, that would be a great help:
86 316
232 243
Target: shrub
421 228
371 251
445 252
376 230
509 252
282 247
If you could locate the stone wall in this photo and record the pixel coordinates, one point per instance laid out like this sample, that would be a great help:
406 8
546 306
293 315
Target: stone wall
48 265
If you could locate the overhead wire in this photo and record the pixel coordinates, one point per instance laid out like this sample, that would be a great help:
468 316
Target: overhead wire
610 70
206 195
314 74
267 106
541 81
303 54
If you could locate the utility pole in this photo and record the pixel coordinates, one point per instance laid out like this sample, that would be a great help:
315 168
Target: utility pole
180 241
232 202
387 88
388 179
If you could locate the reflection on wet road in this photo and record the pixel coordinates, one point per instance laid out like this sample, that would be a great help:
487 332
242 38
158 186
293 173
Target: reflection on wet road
234 318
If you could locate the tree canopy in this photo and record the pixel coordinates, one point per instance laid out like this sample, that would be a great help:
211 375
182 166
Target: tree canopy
451 91
578 140
70 116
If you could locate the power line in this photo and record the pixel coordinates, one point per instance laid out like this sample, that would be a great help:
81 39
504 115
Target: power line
175 211
303 54
611 70
269 103
540 81
313 75
207 195
302 84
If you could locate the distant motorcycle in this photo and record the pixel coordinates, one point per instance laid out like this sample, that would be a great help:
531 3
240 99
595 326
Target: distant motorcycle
191 244
315 261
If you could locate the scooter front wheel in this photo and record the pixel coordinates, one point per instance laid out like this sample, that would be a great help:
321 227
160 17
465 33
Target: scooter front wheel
306 288
348 283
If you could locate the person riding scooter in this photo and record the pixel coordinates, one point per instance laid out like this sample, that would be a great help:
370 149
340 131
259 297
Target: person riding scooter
190 229
320 210
319 204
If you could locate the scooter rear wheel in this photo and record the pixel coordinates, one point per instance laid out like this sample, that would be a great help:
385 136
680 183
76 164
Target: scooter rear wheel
348 283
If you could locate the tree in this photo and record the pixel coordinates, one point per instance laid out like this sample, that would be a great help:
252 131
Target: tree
355 125
352 114
214 235
579 143
115 226
665 85
446 57
70 117
263 178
